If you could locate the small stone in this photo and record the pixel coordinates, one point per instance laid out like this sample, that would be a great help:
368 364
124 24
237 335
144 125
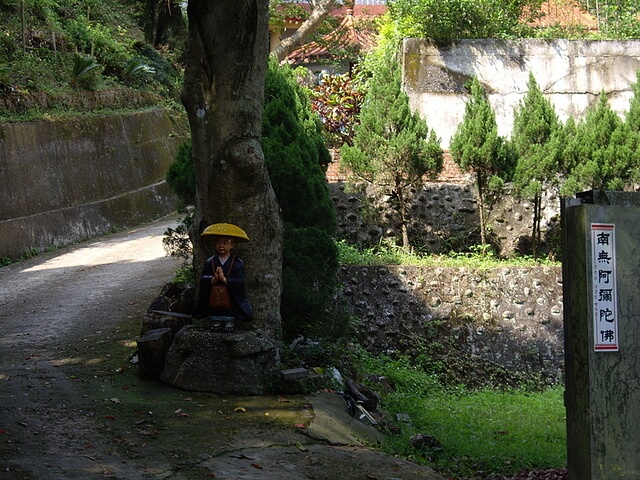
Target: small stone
294 374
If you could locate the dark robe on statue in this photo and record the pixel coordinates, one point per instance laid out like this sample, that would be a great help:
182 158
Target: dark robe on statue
234 272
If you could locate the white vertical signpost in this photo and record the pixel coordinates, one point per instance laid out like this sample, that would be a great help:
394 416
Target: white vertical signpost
605 304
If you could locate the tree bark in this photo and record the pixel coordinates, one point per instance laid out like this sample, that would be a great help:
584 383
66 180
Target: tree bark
480 183
226 60
537 213
321 8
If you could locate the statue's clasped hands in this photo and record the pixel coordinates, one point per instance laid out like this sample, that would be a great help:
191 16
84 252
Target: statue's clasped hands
218 276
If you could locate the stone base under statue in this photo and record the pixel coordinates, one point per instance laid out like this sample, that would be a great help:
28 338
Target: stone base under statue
203 360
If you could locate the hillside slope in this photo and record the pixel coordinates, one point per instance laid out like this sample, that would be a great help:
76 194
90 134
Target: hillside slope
56 56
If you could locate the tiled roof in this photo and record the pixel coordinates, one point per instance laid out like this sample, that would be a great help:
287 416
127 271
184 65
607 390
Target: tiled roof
364 9
564 13
361 9
347 36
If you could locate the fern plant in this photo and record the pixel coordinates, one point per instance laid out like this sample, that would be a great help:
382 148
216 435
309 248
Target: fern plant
84 72
82 65
137 68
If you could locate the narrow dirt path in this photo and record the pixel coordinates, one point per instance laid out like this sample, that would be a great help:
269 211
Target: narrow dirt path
50 307
72 407
80 287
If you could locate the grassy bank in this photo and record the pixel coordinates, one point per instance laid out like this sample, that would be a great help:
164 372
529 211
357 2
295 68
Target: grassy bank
465 433
67 57
479 258
462 432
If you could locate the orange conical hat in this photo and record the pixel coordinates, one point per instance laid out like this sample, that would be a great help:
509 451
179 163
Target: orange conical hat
225 230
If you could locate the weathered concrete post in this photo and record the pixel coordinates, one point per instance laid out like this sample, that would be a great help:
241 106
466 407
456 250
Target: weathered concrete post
601 278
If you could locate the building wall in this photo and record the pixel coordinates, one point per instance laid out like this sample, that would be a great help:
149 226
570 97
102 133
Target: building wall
572 74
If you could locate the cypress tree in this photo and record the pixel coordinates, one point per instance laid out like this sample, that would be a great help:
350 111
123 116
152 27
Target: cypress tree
535 140
296 157
393 148
295 152
601 155
476 146
632 119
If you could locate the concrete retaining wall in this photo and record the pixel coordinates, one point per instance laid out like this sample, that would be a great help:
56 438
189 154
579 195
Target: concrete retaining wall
65 180
570 73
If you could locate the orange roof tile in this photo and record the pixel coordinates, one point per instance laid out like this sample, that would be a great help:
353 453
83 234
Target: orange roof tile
347 36
564 13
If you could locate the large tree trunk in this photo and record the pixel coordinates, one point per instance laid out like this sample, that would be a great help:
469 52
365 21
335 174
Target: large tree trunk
226 62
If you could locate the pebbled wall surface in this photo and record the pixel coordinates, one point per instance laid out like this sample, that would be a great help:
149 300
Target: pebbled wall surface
511 317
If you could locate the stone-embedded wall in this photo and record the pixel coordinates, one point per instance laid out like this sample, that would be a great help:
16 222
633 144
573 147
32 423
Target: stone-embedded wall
444 217
65 180
571 74
508 316
443 214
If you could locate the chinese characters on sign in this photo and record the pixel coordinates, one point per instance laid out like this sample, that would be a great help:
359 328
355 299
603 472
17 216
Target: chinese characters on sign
605 310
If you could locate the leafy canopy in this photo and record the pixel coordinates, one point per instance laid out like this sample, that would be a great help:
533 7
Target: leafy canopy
447 20
337 99
393 147
616 18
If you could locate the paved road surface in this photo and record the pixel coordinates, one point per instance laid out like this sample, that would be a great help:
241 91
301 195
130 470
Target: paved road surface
67 414
48 304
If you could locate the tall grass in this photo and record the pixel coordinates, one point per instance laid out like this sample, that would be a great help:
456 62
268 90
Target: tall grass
477 433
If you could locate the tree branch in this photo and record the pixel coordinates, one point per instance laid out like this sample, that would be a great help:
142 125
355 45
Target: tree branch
321 9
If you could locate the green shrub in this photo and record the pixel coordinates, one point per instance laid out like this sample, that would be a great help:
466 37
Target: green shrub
86 72
166 78
136 68
181 176
310 264
295 152
295 155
